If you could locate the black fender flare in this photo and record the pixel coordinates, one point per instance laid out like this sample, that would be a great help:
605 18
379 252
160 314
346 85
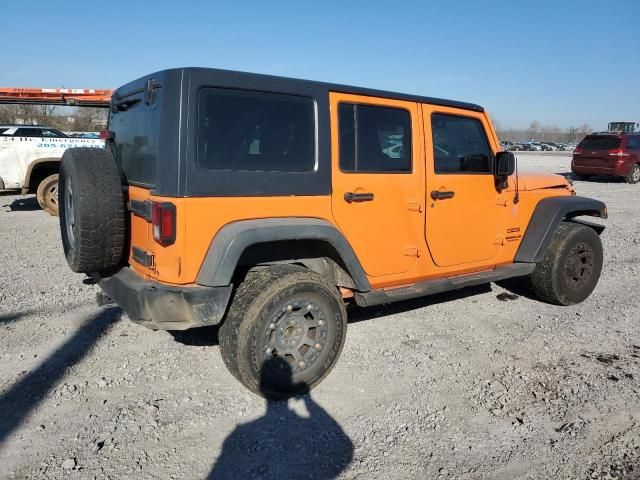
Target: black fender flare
548 214
231 241
26 184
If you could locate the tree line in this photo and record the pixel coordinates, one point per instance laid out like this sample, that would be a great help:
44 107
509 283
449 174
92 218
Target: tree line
68 119
542 133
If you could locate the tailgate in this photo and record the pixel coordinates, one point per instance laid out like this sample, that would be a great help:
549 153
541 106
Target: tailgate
162 262
141 253
595 158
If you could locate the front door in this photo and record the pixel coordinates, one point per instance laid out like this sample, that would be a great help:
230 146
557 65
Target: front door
377 167
465 213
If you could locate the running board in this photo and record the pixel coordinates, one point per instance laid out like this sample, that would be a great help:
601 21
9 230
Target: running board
430 287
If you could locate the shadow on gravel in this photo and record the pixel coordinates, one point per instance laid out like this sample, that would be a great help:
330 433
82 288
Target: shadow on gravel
197 337
359 314
594 178
208 336
13 317
520 286
25 395
27 204
282 444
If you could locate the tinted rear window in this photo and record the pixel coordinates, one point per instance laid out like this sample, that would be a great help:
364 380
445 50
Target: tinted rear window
255 131
600 143
136 126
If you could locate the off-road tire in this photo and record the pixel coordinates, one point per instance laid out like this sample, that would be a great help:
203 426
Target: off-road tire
92 210
259 313
47 194
571 267
634 174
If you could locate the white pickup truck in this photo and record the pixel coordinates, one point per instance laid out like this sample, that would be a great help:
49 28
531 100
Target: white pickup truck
30 157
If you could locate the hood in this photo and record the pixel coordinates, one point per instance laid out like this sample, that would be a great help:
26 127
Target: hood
537 181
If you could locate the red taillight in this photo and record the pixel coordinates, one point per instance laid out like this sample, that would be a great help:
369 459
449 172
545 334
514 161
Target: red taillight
577 151
107 135
163 219
618 153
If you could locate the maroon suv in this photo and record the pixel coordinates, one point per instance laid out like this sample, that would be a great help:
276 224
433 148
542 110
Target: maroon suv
608 153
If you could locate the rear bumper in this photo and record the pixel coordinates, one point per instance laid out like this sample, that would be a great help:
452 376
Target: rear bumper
159 306
614 168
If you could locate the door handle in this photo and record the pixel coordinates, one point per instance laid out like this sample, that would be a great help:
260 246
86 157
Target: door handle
358 197
439 195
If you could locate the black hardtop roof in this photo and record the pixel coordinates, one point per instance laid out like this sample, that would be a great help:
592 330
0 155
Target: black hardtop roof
263 79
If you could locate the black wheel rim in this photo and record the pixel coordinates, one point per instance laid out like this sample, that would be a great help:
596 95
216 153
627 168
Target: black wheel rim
298 333
578 267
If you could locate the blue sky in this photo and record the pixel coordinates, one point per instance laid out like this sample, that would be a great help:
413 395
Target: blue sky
562 62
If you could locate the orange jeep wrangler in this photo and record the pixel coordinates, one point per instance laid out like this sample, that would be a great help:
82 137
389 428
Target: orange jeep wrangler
266 204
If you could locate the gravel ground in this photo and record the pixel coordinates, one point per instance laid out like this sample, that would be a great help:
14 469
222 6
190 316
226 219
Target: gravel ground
482 383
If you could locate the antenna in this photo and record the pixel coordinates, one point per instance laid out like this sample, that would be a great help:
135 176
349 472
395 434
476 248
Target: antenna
516 197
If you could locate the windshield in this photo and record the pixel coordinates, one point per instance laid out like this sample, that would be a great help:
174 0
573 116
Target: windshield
626 127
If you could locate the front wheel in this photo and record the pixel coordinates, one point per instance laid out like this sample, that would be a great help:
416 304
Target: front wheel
284 332
634 175
47 194
571 267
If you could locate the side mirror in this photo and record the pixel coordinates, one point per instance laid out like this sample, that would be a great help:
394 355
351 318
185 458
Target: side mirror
505 164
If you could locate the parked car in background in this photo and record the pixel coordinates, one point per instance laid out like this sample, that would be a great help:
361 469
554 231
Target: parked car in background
30 158
30 131
608 153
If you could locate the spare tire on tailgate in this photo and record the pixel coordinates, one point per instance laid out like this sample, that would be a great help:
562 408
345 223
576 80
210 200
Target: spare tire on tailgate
92 210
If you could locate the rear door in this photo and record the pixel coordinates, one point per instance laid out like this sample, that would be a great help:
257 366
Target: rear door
465 214
633 148
377 170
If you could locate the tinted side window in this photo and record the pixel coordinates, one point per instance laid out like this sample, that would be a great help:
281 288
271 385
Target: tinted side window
633 143
374 139
27 132
2 130
460 145
52 133
255 131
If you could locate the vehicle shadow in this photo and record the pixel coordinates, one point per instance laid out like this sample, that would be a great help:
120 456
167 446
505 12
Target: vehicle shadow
358 314
197 337
25 395
6 318
595 178
208 336
282 444
520 286
24 204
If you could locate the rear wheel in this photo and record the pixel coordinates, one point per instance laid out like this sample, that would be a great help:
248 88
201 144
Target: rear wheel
571 267
634 174
47 194
284 331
